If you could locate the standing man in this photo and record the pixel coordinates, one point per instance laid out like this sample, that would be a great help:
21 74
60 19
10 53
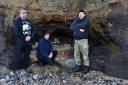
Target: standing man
80 27
23 32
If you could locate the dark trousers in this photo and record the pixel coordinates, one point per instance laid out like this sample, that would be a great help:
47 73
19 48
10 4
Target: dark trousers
45 60
22 57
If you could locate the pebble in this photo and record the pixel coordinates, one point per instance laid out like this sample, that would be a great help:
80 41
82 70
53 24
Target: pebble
22 77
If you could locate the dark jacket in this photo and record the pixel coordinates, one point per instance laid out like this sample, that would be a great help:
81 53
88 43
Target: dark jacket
44 48
21 29
80 24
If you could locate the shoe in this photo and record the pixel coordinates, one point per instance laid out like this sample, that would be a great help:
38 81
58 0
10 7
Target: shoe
76 69
28 70
85 69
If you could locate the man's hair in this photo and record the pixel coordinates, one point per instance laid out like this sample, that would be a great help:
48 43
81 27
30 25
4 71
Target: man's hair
23 8
46 32
82 11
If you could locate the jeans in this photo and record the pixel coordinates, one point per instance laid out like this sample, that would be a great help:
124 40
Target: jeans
22 57
45 60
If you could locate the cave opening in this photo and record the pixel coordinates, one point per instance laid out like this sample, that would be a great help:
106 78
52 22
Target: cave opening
60 32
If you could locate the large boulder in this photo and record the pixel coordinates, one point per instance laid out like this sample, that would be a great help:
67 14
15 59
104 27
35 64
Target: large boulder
118 29
116 65
6 53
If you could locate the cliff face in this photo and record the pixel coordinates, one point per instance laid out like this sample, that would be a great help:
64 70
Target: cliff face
56 9
108 31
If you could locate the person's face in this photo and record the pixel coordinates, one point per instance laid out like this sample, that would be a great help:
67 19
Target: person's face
23 14
81 15
47 36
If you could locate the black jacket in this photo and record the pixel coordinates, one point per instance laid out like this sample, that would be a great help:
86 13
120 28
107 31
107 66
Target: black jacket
80 24
44 48
21 29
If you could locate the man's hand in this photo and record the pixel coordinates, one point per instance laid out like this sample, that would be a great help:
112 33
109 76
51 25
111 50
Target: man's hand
50 55
82 30
28 38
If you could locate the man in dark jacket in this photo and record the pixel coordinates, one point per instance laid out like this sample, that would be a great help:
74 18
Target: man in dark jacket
23 33
45 52
80 27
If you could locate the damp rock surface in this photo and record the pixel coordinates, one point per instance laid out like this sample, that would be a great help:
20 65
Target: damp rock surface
57 15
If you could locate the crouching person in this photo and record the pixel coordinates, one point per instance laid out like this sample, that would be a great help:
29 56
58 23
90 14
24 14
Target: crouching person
45 53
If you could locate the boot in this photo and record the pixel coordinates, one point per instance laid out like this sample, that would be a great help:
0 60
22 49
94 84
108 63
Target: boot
76 69
85 69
